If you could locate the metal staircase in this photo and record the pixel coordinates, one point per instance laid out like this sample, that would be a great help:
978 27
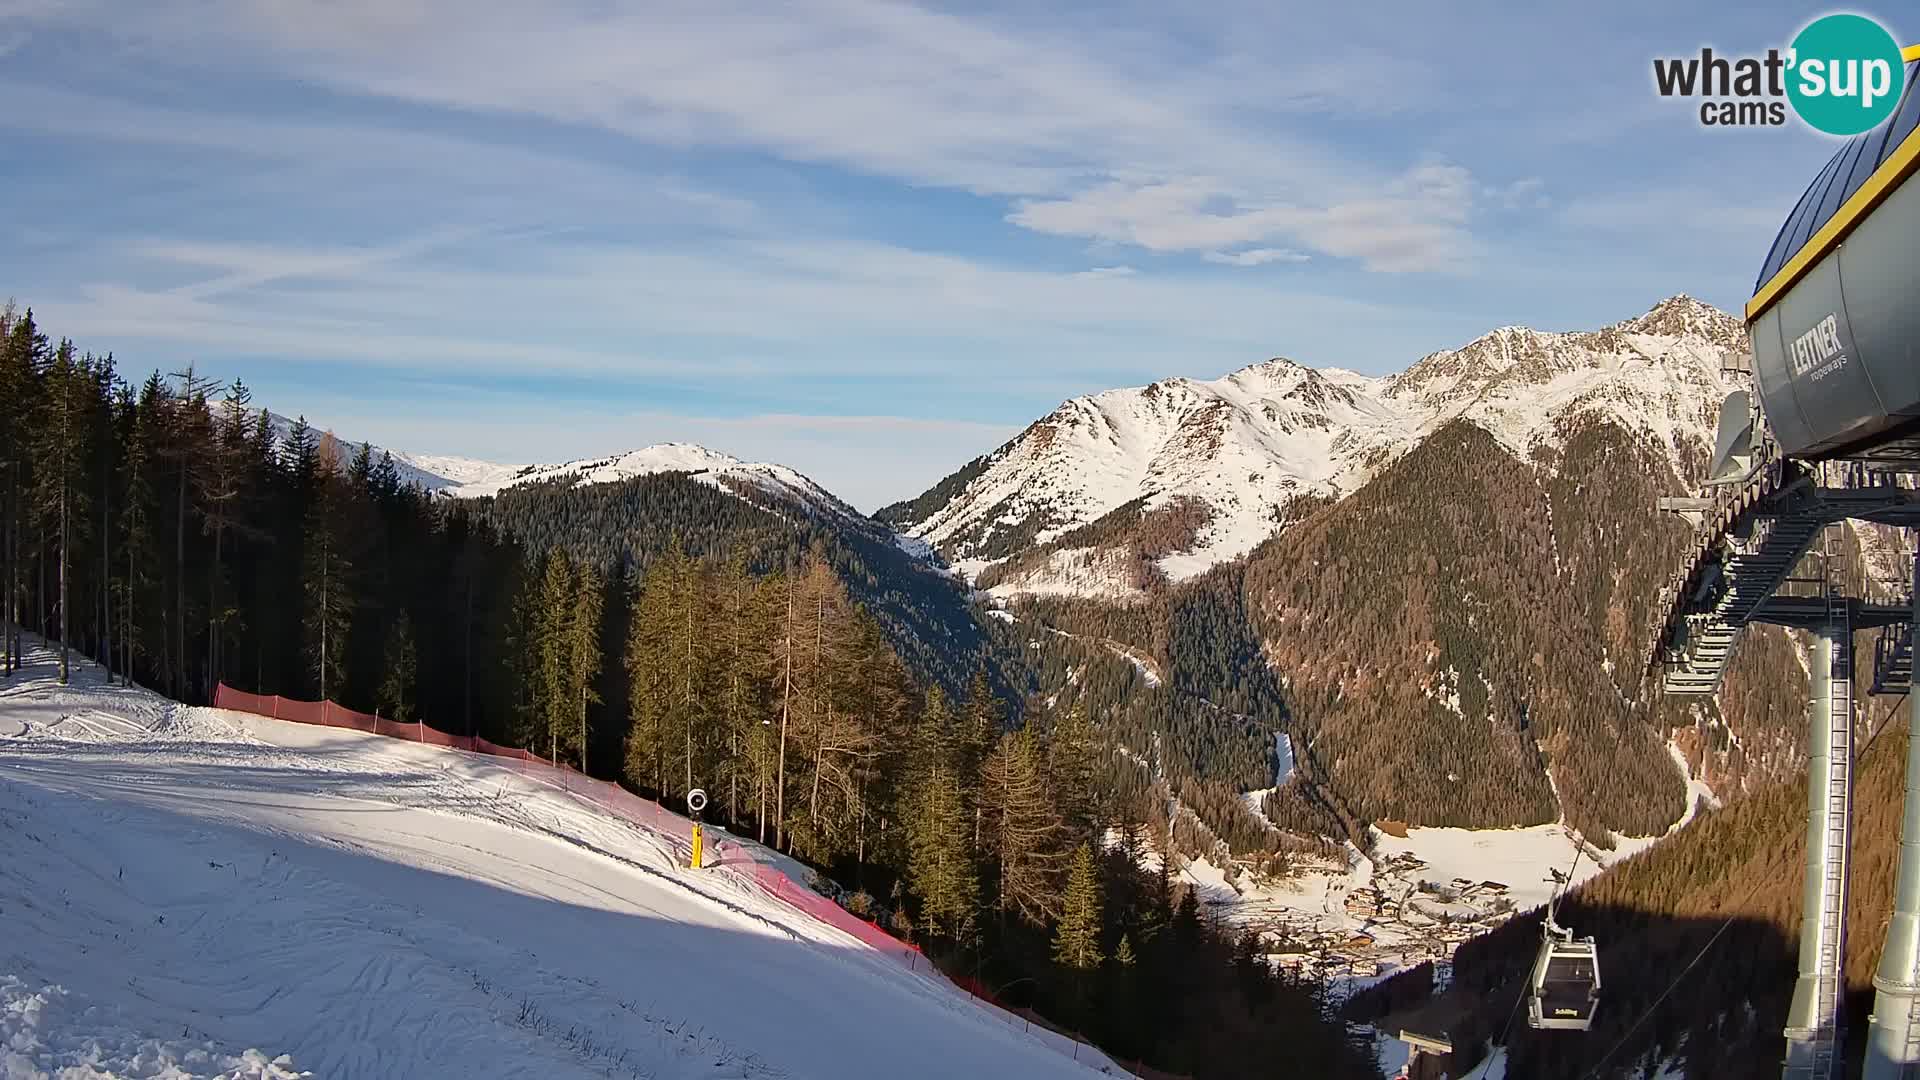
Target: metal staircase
1750 539
1893 660
1749 572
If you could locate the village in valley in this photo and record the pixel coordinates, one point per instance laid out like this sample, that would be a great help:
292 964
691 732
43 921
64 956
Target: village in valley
1413 900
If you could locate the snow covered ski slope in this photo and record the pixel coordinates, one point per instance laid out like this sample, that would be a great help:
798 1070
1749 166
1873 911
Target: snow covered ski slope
224 895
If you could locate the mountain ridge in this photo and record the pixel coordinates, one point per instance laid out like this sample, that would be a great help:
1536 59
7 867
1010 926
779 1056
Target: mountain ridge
1248 444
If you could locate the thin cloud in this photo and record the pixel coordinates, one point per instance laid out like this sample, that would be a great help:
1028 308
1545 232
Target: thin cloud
1256 257
1026 111
1415 222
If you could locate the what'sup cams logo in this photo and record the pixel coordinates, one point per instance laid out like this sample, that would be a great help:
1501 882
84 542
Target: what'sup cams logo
1842 75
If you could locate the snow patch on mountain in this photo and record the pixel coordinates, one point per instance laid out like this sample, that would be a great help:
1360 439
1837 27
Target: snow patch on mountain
1101 573
1250 444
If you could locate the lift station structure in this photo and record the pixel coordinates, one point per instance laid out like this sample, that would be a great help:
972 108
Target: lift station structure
1829 434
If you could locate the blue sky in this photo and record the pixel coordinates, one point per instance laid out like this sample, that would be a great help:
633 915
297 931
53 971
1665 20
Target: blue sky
870 241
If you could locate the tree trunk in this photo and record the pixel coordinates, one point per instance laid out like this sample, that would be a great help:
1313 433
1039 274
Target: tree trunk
213 611
66 623
325 622
786 701
468 702
126 616
106 577
179 679
6 576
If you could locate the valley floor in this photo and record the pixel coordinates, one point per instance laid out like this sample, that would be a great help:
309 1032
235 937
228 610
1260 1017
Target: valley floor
217 894
1416 897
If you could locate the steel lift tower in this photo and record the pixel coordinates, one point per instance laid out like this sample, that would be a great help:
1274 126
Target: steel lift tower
1831 434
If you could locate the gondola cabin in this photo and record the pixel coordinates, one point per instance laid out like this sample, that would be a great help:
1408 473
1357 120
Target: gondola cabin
1566 986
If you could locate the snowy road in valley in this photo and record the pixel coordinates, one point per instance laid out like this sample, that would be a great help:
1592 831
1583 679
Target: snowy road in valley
214 891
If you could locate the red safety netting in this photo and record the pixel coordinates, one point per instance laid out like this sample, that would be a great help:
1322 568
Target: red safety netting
756 864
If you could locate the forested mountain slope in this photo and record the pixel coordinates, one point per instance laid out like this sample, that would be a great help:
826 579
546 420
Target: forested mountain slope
627 523
1464 639
1725 891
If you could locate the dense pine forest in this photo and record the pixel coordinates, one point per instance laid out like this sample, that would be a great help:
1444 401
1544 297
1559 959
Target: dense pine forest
163 527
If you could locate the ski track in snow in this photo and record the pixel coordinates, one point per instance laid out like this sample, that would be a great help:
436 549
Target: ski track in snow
206 892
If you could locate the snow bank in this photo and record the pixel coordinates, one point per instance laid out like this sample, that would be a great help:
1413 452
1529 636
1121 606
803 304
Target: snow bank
49 1032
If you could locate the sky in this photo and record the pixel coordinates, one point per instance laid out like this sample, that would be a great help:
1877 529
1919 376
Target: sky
869 240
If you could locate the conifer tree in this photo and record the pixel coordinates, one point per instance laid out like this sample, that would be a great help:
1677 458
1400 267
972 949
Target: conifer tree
583 653
327 584
980 724
940 862
552 652
24 353
744 628
397 688
1074 768
223 487
59 458
188 428
1022 829
651 679
1076 941
136 519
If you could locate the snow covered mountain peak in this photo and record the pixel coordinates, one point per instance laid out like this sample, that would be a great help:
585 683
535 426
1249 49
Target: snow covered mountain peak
469 478
747 479
1682 316
1244 447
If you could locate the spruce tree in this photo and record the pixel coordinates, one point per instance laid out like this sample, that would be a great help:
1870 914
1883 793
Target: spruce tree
24 354
402 669
1076 941
940 862
552 653
327 580
138 515
583 654
1074 768
59 469
650 678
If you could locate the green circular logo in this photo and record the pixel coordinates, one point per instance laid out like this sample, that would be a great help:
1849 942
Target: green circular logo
1845 74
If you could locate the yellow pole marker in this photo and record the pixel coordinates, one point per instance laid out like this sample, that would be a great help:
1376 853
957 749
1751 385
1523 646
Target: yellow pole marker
696 802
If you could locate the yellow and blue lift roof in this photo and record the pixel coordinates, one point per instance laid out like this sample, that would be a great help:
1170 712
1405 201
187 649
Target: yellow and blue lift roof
1867 169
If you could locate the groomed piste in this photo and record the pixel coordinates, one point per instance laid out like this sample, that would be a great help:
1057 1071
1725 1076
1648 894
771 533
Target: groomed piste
219 894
